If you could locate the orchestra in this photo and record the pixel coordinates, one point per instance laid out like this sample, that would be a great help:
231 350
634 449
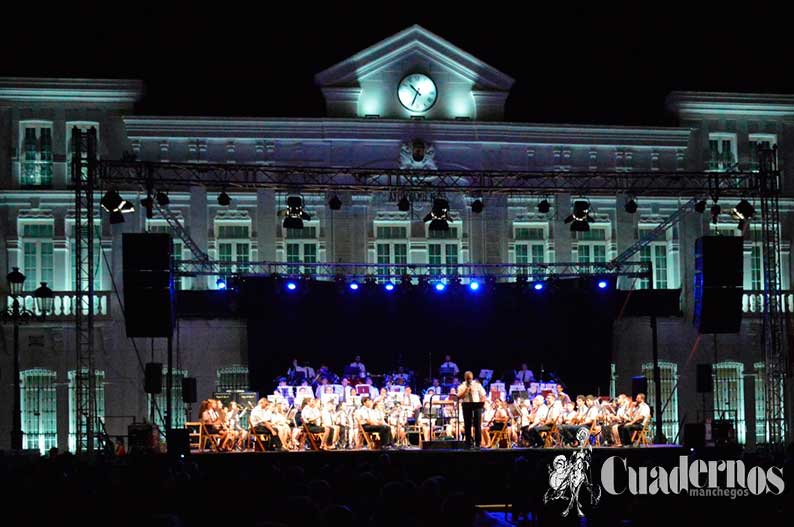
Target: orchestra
340 410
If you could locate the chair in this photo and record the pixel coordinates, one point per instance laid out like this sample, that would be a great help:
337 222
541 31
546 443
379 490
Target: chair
552 437
214 439
640 437
368 436
194 434
595 433
259 442
500 435
315 438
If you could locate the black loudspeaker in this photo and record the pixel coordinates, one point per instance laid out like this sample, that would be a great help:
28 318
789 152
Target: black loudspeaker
178 442
148 285
704 379
694 435
722 432
153 381
143 437
189 392
639 385
718 284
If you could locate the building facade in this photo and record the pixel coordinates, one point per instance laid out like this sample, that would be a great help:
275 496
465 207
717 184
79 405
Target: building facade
413 86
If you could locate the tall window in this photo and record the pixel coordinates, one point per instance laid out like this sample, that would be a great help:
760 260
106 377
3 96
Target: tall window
99 261
655 252
232 378
37 249
729 395
39 409
722 151
84 127
177 406
761 425
99 393
36 154
302 247
591 246
764 141
177 248
443 249
668 375
613 379
530 246
391 245
234 247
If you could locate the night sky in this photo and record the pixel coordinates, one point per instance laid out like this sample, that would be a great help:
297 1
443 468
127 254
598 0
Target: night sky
571 65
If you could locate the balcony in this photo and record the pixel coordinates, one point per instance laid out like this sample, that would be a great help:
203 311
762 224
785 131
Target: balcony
65 304
753 302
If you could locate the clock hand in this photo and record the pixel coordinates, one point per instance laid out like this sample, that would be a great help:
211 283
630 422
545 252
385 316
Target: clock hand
414 89
414 99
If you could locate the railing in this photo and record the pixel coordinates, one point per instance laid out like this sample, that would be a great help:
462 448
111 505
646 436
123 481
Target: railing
65 304
753 302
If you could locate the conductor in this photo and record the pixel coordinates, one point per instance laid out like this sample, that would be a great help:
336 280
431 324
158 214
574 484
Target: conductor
471 394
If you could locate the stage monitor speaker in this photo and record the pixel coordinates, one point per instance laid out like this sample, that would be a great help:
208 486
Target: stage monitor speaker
189 392
722 432
694 435
143 437
178 442
639 384
148 285
718 284
153 378
704 379
443 445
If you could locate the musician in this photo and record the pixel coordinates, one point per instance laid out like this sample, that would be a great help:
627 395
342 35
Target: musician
525 417
236 431
321 387
360 366
501 418
312 416
342 423
327 421
297 372
449 366
372 421
280 422
373 391
540 412
435 387
525 375
472 395
640 418
562 396
260 421
400 374
552 415
591 415
211 420
347 390
411 401
569 425
620 418
428 421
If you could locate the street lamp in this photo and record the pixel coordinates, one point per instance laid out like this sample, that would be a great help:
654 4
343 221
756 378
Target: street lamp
18 314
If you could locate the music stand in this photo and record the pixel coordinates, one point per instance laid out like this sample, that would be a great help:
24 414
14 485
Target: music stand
446 373
486 375
352 372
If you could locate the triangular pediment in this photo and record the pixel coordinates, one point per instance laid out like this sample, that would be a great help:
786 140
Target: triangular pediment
412 42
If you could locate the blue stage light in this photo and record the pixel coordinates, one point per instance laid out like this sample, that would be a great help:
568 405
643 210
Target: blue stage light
474 286
220 283
292 286
538 286
389 286
602 284
354 286
440 286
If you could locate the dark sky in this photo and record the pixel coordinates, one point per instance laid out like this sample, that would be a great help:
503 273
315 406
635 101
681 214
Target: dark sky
571 65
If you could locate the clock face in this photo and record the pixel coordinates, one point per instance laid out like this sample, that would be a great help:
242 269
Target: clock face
417 92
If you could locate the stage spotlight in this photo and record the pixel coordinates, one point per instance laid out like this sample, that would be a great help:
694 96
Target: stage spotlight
404 205
162 199
389 286
220 283
116 217
538 286
295 213
223 199
438 216
602 284
700 206
353 286
474 285
335 203
544 206
580 218
148 204
743 211
440 286
292 286
111 201
631 206
477 206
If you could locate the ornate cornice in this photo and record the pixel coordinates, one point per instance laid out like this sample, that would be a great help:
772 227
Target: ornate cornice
111 91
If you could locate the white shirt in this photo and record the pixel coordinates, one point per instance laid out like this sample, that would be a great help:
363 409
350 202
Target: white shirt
450 365
542 414
411 401
475 395
644 411
361 368
525 375
258 415
311 415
